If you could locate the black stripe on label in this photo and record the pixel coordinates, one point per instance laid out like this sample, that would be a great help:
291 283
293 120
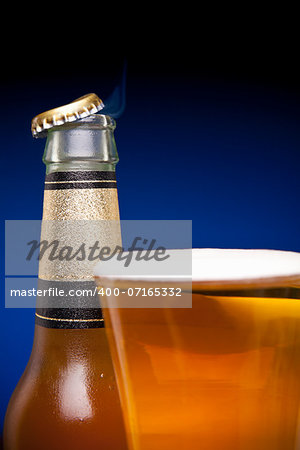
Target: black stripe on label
57 308
91 175
69 318
84 185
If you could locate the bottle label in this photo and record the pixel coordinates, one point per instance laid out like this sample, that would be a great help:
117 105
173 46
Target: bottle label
69 318
80 180
81 312
79 208
89 195
68 304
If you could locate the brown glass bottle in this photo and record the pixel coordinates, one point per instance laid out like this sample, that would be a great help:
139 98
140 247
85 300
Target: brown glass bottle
67 397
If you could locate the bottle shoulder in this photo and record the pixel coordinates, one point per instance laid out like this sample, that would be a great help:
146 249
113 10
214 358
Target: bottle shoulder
63 389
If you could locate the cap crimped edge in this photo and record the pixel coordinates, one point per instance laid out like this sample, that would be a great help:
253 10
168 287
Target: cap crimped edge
78 109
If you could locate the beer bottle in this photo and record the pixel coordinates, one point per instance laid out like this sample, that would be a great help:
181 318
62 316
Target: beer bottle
67 397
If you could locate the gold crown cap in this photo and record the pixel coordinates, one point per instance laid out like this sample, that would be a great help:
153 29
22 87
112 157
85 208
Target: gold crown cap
78 109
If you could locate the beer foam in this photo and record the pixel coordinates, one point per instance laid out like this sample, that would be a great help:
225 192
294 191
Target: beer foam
211 264
205 265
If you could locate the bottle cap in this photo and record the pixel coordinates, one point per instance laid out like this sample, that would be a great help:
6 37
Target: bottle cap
78 109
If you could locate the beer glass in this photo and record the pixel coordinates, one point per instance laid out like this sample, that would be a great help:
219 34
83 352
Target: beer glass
221 374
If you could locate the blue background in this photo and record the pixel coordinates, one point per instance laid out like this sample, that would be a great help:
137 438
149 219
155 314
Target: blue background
213 137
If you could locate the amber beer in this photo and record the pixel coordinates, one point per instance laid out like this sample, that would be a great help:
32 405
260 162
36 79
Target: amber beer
224 374
67 397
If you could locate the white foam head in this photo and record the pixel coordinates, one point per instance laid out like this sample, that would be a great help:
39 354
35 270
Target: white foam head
205 265
210 264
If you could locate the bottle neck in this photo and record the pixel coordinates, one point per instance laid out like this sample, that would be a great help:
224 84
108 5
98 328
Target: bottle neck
87 144
80 213
80 160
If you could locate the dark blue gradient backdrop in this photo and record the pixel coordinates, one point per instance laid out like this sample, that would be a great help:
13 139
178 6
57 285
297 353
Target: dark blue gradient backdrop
219 147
